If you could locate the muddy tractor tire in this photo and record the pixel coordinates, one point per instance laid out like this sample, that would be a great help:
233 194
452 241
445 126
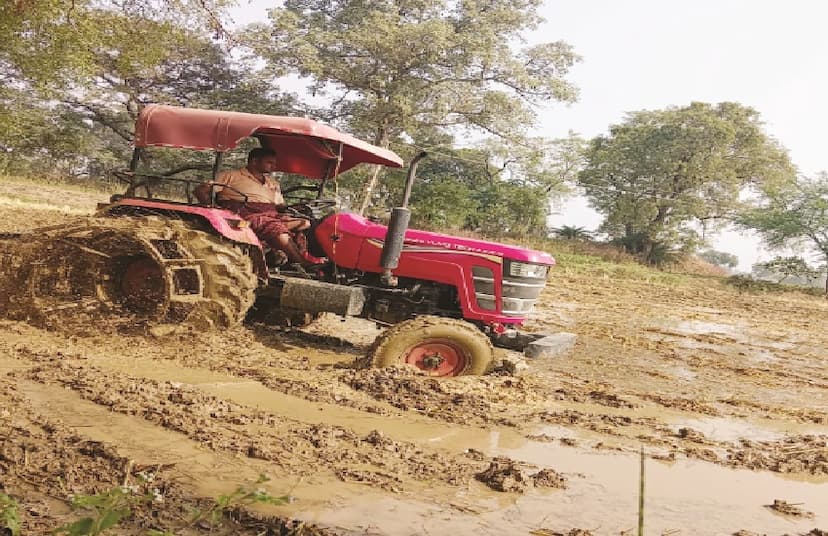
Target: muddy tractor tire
143 271
442 347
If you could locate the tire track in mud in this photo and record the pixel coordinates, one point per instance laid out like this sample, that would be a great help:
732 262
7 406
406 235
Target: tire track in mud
391 393
297 448
236 352
73 447
104 417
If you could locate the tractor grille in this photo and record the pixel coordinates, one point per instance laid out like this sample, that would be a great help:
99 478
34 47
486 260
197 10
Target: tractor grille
520 292
484 288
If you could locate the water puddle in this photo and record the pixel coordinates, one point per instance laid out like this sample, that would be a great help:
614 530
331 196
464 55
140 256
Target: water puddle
715 428
699 335
762 357
723 429
558 313
784 345
207 472
683 373
692 497
731 430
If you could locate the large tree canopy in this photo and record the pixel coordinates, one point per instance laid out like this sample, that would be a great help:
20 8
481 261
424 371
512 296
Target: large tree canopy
794 216
394 67
75 75
45 40
466 189
660 172
720 258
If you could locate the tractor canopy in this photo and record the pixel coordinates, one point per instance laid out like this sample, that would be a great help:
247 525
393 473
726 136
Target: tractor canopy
304 146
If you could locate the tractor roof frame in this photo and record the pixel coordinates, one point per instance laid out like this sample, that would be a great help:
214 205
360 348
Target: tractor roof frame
304 146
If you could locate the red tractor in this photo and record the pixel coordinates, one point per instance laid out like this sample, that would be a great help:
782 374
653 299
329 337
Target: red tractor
154 260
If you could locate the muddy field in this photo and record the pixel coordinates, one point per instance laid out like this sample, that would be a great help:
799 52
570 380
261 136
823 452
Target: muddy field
725 392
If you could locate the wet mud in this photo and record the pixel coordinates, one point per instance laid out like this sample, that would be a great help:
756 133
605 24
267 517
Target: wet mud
726 392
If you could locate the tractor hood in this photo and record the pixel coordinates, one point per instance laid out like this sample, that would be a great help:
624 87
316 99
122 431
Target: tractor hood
353 224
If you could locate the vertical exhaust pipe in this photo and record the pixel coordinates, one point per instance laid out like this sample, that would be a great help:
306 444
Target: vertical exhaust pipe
395 236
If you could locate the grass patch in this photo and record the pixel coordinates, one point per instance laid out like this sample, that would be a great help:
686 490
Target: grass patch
9 515
580 257
579 264
96 186
70 196
746 283
16 204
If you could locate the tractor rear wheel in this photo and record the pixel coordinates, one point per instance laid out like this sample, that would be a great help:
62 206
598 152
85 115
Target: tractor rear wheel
147 271
442 347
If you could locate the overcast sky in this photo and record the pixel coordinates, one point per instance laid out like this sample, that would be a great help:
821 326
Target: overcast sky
650 54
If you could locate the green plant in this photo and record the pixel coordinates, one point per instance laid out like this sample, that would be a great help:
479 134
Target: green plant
571 232
244 495
106 509
720 258
9 516
746 283
660 172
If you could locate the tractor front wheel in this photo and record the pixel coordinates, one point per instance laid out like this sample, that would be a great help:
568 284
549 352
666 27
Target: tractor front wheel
442 347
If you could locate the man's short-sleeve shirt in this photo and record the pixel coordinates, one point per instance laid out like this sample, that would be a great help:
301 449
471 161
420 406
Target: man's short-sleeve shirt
246 183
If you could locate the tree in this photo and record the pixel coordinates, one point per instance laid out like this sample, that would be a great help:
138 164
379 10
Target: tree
394 67
783 268
466 189
442 197
660 174
48 39
190 71
793 216
124 55
720 258
572 232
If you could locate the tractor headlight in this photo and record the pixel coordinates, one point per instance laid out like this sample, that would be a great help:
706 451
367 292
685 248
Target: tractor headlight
524 269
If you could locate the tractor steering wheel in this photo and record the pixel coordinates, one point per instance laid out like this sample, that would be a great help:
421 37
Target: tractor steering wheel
305 207
310 209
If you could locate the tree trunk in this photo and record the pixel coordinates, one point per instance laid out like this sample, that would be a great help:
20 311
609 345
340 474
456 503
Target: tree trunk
649 246
368 189
629 242
370 186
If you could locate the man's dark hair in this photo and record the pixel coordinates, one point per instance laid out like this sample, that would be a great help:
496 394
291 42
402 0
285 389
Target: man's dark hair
259 152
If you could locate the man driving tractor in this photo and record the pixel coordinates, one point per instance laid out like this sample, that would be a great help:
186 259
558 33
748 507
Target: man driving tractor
257 198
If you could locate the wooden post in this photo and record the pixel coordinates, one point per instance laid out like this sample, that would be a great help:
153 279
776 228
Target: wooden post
641 496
